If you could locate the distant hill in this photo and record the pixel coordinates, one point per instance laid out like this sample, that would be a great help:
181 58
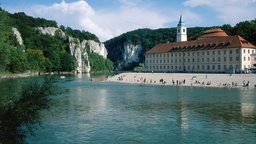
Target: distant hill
135 43
28 43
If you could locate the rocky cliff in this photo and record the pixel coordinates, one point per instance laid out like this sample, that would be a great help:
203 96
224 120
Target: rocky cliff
17 35
131 53
79 49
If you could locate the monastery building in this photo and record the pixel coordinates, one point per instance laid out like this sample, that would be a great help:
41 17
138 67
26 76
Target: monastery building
213 52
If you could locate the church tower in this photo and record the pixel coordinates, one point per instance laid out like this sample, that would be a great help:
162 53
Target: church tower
181 31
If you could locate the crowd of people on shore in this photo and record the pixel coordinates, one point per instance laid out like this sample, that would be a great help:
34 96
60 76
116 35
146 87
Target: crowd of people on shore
192 81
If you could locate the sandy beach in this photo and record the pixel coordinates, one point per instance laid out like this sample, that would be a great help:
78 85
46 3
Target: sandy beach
187 79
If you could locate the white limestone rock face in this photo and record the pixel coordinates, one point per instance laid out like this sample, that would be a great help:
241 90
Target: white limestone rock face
98 48
131 53
51 31
78 50
18 35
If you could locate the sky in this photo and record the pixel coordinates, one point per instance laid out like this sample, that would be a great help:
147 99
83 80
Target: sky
110 18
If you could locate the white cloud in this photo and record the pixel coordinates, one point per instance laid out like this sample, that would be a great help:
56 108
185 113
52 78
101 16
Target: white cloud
229 11
105 23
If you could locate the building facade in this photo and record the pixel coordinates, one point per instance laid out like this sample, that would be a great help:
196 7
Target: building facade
213 52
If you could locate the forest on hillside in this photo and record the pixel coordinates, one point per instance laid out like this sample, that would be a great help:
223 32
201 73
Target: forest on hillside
40 52
148 38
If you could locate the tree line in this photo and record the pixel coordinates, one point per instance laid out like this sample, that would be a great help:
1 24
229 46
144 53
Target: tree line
39 52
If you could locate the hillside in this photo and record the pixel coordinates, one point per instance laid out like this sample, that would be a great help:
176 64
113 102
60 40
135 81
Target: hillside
37 44
127 50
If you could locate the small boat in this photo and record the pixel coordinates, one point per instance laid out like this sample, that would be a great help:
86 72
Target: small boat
62 77
98 79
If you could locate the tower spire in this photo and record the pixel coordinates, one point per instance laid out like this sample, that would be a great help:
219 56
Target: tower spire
181 30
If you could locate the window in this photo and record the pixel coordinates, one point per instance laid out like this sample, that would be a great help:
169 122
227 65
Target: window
237 58
244 50
208 53
237 51
184 30
230 59
219 67
218 59
178 30
224 59
244 58
202 59
248 51
224 51
207 59
230 52
248 58
213 67
218 52
213 52
213 59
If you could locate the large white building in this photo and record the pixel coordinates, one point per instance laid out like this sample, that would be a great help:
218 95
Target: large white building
214 51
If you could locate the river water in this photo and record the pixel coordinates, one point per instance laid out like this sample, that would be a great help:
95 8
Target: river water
102 112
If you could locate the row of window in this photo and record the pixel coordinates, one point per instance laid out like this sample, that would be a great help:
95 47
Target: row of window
202 53
192 68
219 59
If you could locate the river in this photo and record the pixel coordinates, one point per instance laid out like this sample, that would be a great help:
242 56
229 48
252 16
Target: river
102 112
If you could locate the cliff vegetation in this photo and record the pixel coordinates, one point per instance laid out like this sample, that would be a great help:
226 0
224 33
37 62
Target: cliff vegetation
23 46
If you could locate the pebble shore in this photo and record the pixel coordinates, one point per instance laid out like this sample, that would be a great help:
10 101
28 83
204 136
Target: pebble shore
187 79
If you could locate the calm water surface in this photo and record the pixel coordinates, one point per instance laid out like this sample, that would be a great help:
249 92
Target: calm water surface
97 112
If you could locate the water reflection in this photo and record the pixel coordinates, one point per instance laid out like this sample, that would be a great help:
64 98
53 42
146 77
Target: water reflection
95 112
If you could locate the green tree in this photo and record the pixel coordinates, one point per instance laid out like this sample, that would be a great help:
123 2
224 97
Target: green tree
18 61
4 56
228 29
36 59
247 30
67 62
19 115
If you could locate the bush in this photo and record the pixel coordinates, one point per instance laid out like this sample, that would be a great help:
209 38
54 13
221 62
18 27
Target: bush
19 115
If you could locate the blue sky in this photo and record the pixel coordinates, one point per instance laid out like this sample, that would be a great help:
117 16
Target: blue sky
110 18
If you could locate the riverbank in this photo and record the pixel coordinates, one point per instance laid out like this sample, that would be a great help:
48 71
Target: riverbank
18 75
187 79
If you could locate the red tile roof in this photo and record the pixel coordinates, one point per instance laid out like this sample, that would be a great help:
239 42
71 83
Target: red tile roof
217 32
213 41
